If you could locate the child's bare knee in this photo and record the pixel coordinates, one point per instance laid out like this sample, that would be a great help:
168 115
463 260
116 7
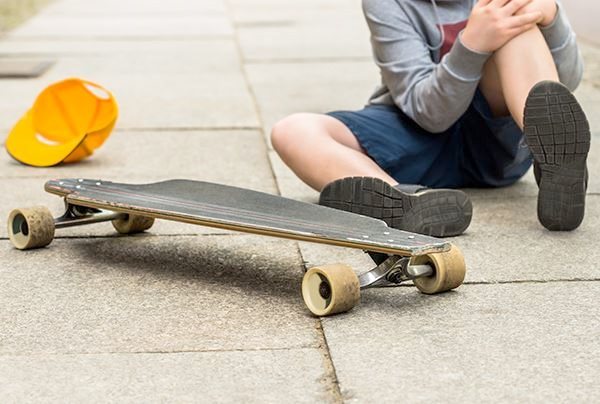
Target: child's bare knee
286 131
281 132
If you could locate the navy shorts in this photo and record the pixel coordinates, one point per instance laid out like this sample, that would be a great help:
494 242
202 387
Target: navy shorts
477 151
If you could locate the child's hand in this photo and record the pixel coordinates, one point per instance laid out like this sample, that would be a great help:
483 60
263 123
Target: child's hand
547 7
494 22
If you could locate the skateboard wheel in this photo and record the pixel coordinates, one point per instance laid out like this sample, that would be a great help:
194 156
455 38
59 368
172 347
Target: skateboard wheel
133 224
330 289
449 271
31 227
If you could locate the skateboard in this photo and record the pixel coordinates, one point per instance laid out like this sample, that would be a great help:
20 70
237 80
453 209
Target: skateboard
432 264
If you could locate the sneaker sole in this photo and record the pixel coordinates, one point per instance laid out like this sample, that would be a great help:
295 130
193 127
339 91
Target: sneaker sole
438 213
558 134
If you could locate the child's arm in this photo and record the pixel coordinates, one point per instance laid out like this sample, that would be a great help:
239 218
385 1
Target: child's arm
436 95
433 95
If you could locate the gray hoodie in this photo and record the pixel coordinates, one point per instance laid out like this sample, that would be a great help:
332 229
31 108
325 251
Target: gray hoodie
425 68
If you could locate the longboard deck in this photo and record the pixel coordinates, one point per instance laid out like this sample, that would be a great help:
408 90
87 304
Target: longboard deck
239 209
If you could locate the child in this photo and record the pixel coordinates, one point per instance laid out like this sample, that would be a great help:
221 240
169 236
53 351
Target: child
470 92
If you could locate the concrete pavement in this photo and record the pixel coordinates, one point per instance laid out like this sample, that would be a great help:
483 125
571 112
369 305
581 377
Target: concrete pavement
185 313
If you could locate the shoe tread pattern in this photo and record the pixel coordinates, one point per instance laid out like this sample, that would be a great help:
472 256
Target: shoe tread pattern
558 135
438 213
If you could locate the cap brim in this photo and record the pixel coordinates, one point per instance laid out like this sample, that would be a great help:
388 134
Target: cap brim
25 145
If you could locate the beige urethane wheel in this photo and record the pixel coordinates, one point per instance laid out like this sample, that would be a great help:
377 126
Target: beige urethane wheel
449 271
31 227
330 289
133 224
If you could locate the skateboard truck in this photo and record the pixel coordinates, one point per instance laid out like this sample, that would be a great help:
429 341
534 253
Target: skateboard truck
393 271
79 215
34 227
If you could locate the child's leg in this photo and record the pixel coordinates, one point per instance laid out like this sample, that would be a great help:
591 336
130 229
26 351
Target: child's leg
321 149
521 78
513 70
326 155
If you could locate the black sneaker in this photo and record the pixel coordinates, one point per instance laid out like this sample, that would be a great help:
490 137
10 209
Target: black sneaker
537 173
434 212
558 135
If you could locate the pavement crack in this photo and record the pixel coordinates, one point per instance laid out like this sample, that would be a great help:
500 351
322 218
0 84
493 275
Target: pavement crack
255 103
190 129
341 59
330 378
117 237
522 281
132 38
163 352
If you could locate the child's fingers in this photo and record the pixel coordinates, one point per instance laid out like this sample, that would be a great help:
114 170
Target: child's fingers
515 5
498 3
525 19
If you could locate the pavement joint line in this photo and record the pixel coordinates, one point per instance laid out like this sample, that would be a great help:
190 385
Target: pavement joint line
512 197
342 59
305 263
158 352
533 281
251 91
330 378
146 235
117 39
188 129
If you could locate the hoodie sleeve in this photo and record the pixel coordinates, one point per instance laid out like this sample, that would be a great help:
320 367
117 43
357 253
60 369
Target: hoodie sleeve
561 40
433 95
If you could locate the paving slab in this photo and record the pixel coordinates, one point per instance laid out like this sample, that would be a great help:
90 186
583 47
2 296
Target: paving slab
217 156
109 8
180 88
304 35
591 56
503 343
505 242
588 95
140 19
142 157
225 377
240 6
191 51
153 294
285 88
527 187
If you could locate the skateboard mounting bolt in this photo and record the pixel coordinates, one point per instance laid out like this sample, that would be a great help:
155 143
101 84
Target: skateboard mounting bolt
411 237
387 233
80 180
61 183
98 183
390 241
325 290
78 186
365 236
396 277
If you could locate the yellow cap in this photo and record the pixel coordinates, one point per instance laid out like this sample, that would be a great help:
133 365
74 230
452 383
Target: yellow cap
68 121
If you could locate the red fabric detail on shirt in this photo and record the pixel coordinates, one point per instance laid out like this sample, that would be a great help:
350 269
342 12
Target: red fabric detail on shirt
451 32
